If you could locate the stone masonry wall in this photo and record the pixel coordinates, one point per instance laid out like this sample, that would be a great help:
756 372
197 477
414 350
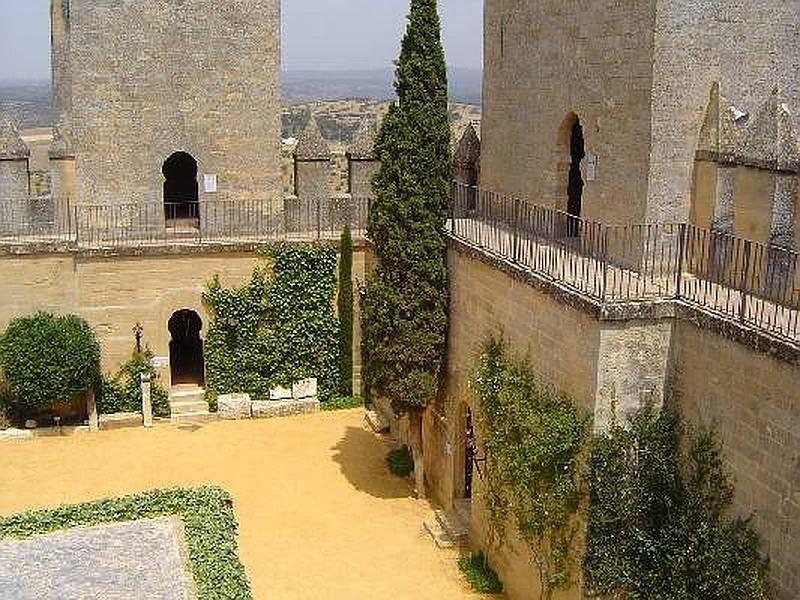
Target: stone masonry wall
114 292
753 400
148 79
547 59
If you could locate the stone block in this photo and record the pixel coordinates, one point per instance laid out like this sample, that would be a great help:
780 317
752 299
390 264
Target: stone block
284 408
376 421
280 393
120 420
305 388
15 434
234 406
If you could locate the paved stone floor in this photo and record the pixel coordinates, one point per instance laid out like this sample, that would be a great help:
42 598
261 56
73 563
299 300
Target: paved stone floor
138 560
320 516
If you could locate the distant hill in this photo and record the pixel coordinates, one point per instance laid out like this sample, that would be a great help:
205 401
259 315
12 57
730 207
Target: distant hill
28 103
375 84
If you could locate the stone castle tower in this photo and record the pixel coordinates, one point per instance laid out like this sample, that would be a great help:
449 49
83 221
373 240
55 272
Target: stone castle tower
168 101
598 107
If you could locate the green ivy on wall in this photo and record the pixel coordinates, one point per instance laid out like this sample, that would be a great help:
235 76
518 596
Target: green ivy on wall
278 328
533 441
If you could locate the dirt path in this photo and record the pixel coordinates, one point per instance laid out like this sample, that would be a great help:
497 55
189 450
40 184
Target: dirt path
320 515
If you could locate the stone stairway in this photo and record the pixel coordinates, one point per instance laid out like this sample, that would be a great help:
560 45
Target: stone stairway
448 528
187 404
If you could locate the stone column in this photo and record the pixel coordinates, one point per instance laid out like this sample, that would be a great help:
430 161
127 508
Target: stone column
14 181
147 405
91 410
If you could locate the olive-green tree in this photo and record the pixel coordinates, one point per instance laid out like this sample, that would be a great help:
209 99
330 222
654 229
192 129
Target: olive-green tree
405 307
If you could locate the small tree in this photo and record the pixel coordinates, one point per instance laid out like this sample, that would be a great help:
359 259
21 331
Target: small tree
345 308
47 359
405 308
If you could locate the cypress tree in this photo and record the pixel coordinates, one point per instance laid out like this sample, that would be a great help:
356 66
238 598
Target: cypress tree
405 308
345 309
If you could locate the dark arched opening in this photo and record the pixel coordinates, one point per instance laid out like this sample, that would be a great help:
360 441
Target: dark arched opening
181 196
186 348
575 184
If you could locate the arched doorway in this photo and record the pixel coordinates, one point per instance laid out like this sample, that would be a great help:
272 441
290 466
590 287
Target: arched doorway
575 183
186 348
181 195
469 454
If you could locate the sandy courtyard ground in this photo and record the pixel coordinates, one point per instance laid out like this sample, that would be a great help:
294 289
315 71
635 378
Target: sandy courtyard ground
320 516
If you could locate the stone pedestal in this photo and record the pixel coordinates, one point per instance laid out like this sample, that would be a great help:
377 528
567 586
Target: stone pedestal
147 405
91 410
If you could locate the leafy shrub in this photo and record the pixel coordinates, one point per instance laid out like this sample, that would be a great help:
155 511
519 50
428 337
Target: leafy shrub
123 392
342 403
479 574
400 461
278 328
46 359
657 524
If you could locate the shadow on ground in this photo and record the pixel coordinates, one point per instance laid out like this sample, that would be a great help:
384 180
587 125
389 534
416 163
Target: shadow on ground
361 456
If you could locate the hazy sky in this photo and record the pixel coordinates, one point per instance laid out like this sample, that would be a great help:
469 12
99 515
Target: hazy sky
317 34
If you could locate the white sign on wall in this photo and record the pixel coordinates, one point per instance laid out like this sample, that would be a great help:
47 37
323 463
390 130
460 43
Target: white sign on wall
210 183
159 362
591 167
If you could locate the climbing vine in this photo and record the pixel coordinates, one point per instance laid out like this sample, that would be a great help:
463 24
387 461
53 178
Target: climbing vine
278 328
533 440
657 524
344 302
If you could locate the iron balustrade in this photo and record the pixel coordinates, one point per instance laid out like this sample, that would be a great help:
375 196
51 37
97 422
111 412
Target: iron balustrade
151 223
756 284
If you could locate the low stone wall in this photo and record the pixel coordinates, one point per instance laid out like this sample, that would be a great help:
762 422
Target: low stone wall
302 398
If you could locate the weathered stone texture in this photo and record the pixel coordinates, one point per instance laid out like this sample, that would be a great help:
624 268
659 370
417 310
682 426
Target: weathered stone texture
753 400
284 408
638 77
149 79
234 406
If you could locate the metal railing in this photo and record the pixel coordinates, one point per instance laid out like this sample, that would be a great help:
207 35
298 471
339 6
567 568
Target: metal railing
756 284
139 224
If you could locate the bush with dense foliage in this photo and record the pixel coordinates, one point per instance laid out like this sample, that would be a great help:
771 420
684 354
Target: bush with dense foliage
210 529
47 359
657 521
345 310
123 392
400 461
479 574
278 328
343 403
533 440
405 306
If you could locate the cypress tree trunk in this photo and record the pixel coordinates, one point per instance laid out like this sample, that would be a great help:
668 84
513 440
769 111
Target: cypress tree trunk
345 309
405 308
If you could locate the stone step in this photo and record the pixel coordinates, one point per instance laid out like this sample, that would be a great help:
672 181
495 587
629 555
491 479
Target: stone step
449 521
183 407
195 417
437 533
194 393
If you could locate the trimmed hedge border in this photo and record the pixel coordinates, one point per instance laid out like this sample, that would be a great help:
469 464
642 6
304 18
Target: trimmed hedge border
209 522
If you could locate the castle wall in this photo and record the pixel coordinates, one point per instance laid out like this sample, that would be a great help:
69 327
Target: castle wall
545 59
753 401
750 396
360 175
114 292
149 79
748 48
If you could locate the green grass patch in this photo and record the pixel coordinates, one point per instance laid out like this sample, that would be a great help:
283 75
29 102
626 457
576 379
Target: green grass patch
400 461
479 574
342 403
209 522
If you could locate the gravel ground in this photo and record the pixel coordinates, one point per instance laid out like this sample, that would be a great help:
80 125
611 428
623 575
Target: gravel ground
320 516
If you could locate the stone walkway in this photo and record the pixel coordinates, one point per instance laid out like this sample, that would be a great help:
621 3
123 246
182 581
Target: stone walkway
320 516
139 560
